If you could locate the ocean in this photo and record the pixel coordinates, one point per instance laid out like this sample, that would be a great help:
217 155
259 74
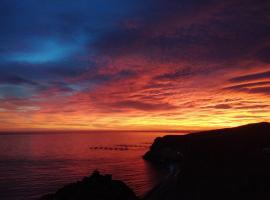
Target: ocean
35 164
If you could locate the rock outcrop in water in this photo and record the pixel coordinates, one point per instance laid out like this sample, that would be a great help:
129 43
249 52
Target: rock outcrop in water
94 187
222 164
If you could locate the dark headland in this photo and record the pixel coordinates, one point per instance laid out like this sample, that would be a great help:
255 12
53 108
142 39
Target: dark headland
232 163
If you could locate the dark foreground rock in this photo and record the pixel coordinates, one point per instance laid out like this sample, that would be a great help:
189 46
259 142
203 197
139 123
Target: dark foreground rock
221 164
94 187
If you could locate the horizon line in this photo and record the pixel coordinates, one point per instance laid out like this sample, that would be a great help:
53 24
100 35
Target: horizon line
50 131
62 131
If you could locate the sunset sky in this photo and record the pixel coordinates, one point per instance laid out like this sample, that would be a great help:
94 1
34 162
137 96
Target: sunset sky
133 64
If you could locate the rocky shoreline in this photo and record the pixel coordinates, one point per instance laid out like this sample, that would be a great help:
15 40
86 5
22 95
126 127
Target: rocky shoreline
221 164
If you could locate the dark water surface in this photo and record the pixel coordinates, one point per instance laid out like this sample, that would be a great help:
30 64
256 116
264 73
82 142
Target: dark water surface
36 164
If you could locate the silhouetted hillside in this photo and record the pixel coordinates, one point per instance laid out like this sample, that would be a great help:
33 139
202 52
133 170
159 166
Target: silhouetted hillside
231 163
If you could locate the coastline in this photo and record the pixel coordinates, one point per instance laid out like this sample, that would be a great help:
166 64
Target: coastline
225 164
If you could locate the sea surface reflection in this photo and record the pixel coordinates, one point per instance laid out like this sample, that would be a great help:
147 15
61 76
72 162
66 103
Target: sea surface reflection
40 163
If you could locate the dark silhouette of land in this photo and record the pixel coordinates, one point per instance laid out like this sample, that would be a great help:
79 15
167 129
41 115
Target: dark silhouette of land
224 164
94 187
231 163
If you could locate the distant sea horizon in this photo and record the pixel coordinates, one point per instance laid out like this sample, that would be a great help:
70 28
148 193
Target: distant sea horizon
36 163
68 131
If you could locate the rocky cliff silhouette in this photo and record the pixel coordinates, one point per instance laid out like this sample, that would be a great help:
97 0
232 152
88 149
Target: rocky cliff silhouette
231 163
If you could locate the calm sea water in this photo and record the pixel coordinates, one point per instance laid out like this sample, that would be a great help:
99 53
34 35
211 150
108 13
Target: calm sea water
35 164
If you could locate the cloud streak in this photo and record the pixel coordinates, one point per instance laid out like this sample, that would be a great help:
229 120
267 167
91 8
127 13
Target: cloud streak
252 77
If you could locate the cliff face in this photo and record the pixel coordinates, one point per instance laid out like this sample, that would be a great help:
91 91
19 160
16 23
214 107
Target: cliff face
221 164
94 187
